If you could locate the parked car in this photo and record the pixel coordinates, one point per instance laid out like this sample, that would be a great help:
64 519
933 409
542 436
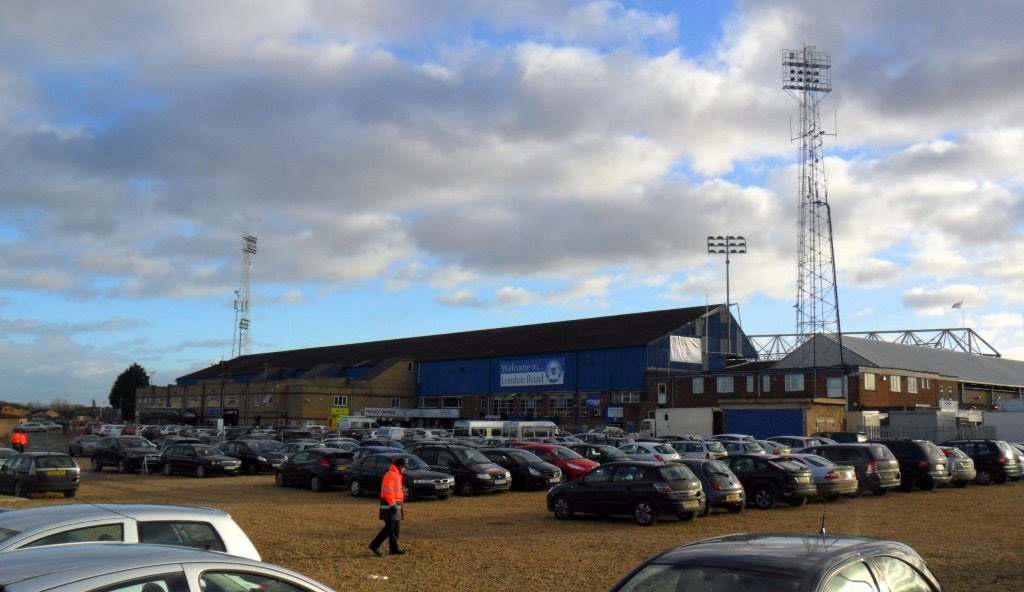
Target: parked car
527 469
722 487
731 437
843 437
657 451
165 442
742 447
922 464
319 468
877 469
599 453
573 465
144 568
646 490
204 528
994 461
784 562
33 426
201 460
706 449
367 475
257 456
775 448
295 446
6 453
795 442
961 466
82 445
771 479
127 453
473 471
39 472
831 479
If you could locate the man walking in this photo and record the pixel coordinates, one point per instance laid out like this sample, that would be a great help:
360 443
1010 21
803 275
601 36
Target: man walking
392 498
19 440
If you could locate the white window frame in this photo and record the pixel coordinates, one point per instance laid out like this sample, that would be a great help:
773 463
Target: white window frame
895 383
869 381
794 383
766 384
396 402
698 385
341 400
750 384
912 384
725 384
834 386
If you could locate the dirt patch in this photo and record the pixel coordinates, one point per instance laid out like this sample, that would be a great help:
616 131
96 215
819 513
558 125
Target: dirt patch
973 538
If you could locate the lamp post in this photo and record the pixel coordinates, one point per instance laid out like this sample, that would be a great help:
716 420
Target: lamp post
729 245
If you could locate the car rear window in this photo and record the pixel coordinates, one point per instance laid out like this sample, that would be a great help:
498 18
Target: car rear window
881 453
790 465
717 468
675 473
55 462
665 449
715 446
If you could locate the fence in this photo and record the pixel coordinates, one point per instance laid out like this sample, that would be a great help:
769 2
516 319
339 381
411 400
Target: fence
935 434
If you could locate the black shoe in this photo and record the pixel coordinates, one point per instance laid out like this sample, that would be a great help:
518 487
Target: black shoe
398 552
376 551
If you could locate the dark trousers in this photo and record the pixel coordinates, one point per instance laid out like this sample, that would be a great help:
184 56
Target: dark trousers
390 532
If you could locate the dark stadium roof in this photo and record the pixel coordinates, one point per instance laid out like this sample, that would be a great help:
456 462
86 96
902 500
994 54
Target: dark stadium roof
626 330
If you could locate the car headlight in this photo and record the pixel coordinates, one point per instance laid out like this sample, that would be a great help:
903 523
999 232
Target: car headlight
534 472
261 459
484 476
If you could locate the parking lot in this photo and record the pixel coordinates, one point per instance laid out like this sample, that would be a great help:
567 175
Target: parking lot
972 537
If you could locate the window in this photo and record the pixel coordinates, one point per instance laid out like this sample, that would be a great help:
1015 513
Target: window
911 384
895 384
429 402
560 406
626 397
869 381
226 580
835 386
794 382
451 402
662 389
396 402
200 535
750 384
766 384
698 385
725 384
341 400
926 383
901 576
854 577
170 582
88 534
600 474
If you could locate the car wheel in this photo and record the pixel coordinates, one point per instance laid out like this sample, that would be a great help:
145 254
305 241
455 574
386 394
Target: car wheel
736 509
644 513
466 488
279 479
983 478
764 497
562 508
96 464
167 469
355 489
71 493
122 466
317 484
200 471
686 516
796 502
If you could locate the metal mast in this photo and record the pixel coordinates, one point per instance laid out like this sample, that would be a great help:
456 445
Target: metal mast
242 343
807 77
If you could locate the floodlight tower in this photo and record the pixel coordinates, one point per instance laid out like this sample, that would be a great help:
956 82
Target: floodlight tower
807 77
736 245
242 343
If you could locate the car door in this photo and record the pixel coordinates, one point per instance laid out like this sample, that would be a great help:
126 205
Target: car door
7 473
105 451
299 467
590 493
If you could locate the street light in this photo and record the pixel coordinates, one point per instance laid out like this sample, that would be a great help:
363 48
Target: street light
729 245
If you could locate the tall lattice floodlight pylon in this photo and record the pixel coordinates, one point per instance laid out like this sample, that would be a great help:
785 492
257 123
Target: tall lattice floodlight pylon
807 77
242 343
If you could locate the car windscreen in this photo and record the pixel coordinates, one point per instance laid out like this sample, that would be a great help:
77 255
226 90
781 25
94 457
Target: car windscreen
665 449
524 455
753 447
715 446
263 445
657 577
415 462
614 453
206 450
563 453
6 533
470 456
133 442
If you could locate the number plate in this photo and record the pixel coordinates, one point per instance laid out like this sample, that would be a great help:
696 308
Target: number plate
732 497
57 473
691 504
499 481
440 486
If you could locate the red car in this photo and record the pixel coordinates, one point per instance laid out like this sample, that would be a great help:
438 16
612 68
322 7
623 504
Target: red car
572 464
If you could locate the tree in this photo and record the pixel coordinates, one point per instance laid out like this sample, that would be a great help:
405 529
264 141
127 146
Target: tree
122 394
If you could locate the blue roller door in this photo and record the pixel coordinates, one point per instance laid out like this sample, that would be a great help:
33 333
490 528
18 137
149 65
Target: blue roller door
765 423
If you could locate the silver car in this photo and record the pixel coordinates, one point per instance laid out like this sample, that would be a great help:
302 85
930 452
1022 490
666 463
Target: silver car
656 451
832 480
203 528
120 567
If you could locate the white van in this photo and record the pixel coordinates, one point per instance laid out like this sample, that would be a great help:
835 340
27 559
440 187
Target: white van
517 430
471 428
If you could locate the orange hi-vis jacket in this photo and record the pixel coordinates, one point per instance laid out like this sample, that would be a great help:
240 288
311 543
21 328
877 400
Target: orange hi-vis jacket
19 438
391 490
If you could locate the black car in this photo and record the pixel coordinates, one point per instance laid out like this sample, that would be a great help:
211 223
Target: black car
784 562
473 471
527 469
721 486
922 464
878 471
319 468
770 479
257 456
127 453
201 460
644 489
37 472
366 475
993 460
599 453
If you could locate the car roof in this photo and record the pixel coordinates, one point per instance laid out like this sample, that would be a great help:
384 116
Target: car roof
23 519
41 568
799 554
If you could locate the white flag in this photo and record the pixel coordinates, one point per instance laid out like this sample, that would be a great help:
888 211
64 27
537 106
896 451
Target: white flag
685 349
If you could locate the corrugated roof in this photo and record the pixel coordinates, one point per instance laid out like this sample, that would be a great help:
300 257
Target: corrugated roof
626 330
883 354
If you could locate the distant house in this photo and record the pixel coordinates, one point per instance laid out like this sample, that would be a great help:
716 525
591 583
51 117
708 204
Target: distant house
11 416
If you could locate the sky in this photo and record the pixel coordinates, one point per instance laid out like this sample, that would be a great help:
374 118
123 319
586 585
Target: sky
415 168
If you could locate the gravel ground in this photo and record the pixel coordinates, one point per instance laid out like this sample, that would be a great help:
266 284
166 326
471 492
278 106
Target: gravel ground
973 538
